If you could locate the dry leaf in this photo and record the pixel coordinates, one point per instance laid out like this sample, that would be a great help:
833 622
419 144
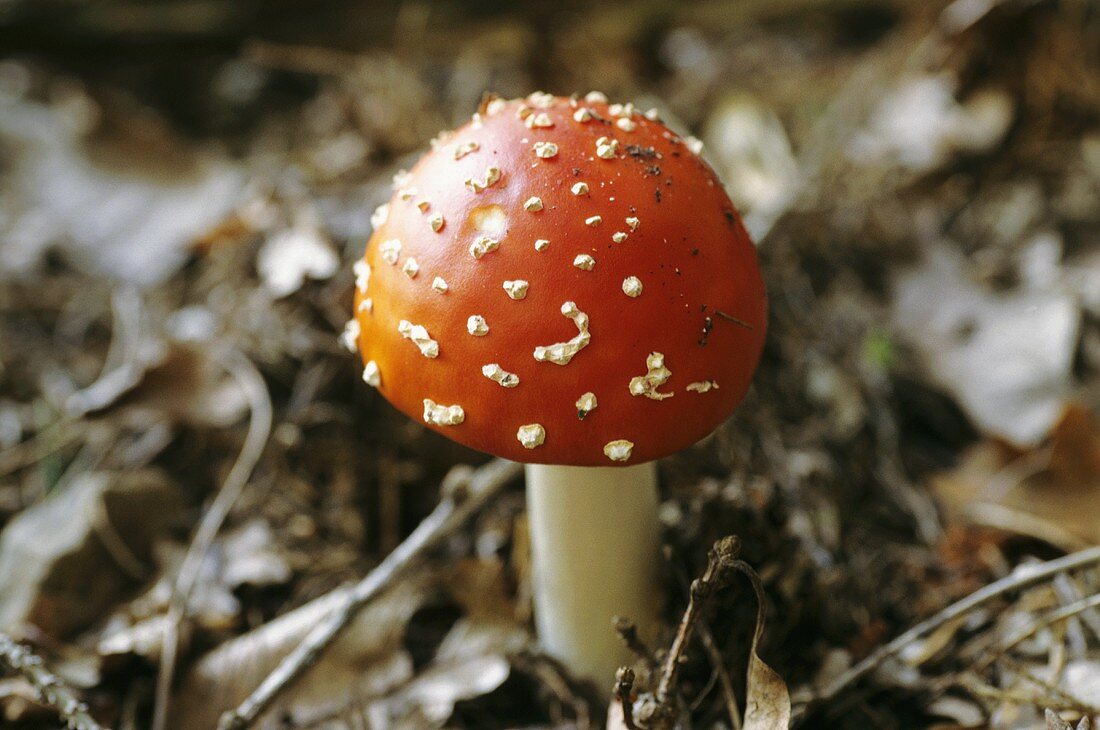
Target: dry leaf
68 558
767 701
429 700
1007 358
191 386
366 660
291 256
1051 493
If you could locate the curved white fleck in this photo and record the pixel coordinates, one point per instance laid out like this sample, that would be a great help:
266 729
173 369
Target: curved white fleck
656 376
349 338
442 415
593 220
362 275
516 289
618 450
440 285
545 150
497 374
372 376
465 148
531 435
580 188
540 99
560 353
380 215
606 148
437 222
541 120
533 204
702 386
390 250
633 222
483 245
541 244
420 337
618 236
411 267
632 286
476 325
584 261
492 177
586 404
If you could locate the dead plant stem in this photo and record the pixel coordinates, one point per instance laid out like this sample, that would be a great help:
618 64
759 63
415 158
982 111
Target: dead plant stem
462 499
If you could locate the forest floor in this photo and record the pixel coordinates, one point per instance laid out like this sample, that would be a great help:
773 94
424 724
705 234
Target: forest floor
182 195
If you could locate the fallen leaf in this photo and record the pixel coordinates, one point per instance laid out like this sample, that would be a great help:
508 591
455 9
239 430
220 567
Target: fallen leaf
767 701
291 256
366 660
66 559
1006 358
191 386
430 699
251 556
131 220
919 124
749 147
1051 493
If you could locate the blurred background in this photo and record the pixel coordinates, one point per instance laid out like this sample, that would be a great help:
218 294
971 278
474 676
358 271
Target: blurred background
185 183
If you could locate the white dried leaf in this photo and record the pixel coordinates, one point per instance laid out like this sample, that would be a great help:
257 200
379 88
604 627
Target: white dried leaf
290 257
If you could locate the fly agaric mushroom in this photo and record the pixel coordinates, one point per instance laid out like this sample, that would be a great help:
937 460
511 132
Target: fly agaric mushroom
564 282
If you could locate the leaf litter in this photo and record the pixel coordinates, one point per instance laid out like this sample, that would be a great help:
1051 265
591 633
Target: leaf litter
924 183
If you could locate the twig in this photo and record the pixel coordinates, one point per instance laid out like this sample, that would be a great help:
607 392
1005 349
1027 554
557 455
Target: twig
628 632
731 318
729 697
458 505
720 563
624 685
1061 614
126 360
1020 579
50 690
259 428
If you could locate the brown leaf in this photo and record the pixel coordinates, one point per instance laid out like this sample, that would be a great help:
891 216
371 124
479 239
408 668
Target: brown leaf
1051 493
767 701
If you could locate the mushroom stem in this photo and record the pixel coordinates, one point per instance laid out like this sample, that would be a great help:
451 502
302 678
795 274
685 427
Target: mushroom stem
595 541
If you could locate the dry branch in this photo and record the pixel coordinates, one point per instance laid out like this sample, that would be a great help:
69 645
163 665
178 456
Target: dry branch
1020 579
462 499
49 688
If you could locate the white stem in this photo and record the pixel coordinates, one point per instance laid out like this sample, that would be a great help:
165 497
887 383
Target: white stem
595 541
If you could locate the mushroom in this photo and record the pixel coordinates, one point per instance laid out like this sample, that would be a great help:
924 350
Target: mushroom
617 320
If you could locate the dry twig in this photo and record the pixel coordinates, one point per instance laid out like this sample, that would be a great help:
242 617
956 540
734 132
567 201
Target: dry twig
259 427
628 632
51 691
462 498
721 563
1018 580
624 686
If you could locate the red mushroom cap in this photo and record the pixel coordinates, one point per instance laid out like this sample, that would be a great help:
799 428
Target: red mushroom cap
561 281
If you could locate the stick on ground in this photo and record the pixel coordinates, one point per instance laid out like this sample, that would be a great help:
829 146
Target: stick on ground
460 502
1018 580
259 428
51 691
